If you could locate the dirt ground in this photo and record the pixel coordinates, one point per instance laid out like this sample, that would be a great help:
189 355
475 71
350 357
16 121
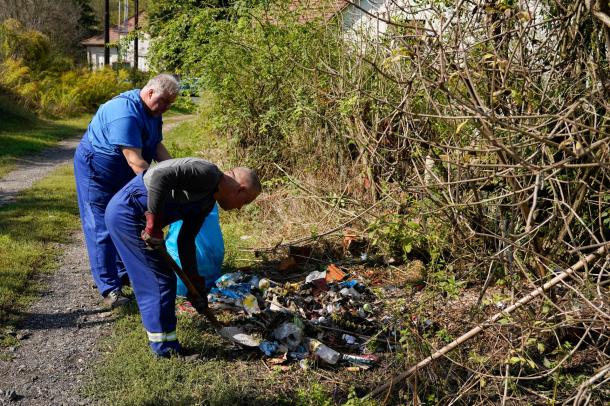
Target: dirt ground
58 337
32 168
59 334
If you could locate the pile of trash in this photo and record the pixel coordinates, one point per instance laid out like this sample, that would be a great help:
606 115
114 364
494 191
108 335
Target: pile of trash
327 317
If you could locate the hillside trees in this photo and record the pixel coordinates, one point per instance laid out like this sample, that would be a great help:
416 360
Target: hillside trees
482 137
66 23
33 73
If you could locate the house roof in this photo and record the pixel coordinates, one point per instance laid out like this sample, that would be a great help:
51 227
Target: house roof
308 10
98 40
318 9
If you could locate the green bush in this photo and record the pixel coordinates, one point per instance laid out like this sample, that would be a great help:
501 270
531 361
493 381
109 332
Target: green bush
47 82
269 92
62 94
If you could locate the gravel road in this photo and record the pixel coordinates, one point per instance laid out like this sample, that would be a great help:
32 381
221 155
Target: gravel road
59 335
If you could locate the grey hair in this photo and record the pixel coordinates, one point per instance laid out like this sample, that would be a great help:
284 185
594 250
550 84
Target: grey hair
164 84
249 177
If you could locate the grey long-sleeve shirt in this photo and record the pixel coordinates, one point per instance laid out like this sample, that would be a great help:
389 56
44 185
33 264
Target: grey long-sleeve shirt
181 180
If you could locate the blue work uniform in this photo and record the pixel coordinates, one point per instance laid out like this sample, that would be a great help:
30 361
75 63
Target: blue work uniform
184 192
101 170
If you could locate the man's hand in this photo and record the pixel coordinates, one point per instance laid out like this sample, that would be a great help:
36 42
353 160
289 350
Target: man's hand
199 303
153 232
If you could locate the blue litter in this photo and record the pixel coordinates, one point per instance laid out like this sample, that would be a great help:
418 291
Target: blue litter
268 348
349 284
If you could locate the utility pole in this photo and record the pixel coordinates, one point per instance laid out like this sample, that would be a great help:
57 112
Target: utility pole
135 39
106 32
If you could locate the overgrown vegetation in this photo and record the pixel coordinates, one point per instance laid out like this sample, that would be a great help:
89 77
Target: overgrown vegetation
36 75
129 374
475 141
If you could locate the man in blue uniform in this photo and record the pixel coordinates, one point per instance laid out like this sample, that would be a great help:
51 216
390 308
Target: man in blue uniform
177 189
121 141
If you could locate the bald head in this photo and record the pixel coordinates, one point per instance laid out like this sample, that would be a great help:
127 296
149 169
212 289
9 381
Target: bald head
248 178
238 187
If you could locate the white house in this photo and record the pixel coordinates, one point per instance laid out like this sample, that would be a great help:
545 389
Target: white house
366 19
373 18
95 47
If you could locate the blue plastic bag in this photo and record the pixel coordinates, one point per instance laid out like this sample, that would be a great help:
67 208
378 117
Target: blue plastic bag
210 249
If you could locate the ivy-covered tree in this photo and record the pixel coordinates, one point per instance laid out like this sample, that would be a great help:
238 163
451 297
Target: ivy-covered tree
88 20
174 23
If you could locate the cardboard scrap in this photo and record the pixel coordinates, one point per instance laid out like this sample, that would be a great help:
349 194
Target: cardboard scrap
334 274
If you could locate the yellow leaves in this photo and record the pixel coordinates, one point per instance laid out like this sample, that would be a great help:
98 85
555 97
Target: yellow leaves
397 55
492 61
17 42
547 363
523 16
522 361
460 126
13 72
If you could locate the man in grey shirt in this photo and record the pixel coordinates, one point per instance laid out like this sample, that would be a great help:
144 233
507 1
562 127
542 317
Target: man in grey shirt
176 189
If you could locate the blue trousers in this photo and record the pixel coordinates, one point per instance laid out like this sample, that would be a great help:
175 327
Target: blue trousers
98 177
153 282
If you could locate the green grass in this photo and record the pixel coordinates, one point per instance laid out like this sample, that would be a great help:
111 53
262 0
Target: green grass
130 375
29 230
22 134
182 105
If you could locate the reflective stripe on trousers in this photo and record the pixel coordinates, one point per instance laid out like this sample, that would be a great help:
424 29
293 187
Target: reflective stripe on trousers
161 337
153 283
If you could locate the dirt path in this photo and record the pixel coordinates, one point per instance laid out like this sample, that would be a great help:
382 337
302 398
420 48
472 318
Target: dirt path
30 169
58 337
60 333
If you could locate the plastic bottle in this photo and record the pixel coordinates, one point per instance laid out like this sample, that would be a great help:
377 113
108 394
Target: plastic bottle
325 353
364 359
289 334
250 304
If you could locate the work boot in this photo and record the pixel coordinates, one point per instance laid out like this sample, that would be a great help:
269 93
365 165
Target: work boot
116 298
186 355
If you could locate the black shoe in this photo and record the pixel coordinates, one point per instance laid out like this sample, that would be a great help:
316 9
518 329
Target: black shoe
184 354
116 298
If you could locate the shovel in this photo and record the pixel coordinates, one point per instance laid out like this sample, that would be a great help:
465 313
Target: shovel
193 291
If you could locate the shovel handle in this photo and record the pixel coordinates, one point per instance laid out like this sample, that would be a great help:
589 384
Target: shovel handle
194 292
